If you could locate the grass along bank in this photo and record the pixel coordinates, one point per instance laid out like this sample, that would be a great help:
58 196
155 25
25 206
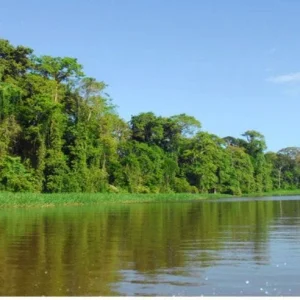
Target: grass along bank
44 200
8 199
274 193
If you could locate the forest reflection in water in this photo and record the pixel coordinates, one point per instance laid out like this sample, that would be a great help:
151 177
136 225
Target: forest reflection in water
185 248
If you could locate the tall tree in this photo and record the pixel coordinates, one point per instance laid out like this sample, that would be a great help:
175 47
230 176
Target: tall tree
59 69
14 61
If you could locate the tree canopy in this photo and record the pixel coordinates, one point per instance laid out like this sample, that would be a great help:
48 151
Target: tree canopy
60 132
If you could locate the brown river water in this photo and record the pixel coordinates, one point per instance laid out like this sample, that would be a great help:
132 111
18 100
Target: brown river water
230 247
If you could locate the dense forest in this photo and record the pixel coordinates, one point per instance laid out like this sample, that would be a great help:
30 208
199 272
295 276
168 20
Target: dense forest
60 132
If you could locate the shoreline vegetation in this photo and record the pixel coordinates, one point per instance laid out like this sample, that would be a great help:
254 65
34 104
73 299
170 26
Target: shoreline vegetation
60 133
27 200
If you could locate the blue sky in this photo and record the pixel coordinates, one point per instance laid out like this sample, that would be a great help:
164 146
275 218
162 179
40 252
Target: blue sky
234 65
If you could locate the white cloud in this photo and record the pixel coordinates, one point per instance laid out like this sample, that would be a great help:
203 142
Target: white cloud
286 78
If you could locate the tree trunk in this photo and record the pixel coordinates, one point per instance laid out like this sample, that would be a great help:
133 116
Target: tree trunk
279 178
56 94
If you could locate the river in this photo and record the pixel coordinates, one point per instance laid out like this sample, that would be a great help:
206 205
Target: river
231 247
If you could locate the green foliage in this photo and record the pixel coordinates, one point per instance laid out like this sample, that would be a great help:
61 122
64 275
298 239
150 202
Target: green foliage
14 61
58 68
285 168
200 161
243 172
181 185
14 177
60 132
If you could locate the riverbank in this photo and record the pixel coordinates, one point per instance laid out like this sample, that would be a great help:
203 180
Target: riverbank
45 200
48 200
274 193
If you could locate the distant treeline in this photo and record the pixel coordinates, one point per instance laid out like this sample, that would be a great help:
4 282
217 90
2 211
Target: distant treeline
60 132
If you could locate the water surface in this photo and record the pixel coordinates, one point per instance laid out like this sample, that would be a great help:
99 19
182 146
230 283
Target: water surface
240 247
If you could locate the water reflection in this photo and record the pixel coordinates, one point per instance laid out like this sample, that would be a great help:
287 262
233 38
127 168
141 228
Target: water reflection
209 248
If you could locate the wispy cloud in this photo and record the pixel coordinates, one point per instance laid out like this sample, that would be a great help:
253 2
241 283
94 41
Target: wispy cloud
286 78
